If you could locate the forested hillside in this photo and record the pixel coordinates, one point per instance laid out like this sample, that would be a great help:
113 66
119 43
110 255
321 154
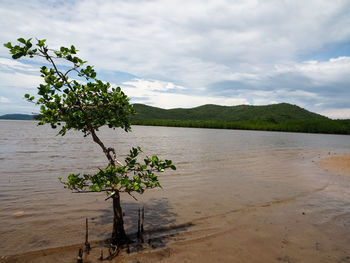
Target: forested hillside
276 117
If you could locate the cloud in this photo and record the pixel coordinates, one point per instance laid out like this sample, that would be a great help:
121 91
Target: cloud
337 113
217 51
17 78
4 100
311 84
164 95
153 86
142 37
9 64
322 73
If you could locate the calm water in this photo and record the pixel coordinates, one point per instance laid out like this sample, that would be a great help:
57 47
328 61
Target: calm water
218 171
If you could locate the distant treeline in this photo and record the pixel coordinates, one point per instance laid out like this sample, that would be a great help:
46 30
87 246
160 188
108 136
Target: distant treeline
17 117
276 117
307 126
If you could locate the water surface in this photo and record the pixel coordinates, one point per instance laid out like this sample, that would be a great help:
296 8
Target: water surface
218 171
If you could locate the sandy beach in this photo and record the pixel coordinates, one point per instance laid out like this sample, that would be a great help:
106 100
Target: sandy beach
288 230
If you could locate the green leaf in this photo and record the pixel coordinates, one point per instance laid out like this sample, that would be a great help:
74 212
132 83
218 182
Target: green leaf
8 45
41 43
17 55
22 40
29 44
72 49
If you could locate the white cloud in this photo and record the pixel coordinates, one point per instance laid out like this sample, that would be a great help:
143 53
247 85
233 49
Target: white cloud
144 37
147 85
4 100
320 72
6 63
194 45
21 80
17 78
337 113
323 72
169 101
152 93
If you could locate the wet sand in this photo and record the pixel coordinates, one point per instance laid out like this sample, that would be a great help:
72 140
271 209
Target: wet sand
273 233
337 164
293 229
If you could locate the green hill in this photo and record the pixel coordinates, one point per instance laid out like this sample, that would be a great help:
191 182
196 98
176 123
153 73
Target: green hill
276 117
17 117
272 113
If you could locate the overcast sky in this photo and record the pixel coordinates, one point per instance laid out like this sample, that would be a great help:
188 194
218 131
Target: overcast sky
188 53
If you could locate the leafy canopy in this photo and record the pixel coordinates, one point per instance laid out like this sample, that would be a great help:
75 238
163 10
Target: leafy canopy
86 105
83 105
141 176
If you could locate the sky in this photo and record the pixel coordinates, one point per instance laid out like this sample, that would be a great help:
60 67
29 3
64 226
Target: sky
185 53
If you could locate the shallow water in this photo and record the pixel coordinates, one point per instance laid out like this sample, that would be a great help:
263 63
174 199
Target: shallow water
218 171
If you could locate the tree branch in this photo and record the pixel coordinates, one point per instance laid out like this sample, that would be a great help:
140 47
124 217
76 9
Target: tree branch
99 142
75 68
132 196
88 123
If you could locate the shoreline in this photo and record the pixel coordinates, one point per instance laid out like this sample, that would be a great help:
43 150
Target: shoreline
246 126
243 126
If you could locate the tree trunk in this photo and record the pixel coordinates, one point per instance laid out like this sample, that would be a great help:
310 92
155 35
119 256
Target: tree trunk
118 236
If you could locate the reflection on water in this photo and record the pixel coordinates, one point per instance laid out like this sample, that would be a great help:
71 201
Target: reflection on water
218 171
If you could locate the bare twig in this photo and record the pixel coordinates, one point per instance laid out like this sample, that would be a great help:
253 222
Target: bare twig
132 196
113 194
87 244
74 68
